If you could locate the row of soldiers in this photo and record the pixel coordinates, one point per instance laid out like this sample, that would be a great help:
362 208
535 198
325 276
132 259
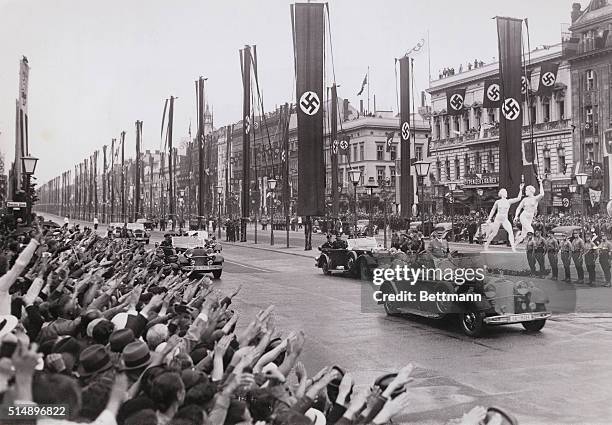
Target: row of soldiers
570 249
232 230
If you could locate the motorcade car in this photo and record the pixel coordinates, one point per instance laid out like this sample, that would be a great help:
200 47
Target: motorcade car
560 232
117 231
493 300
198 255
148 224
140 233
358 257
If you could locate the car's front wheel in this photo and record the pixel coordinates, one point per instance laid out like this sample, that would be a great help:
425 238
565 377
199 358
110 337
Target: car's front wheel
390 309
325 267
472 323
534 325
217 273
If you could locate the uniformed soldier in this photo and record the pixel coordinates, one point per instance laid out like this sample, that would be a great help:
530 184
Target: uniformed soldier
540 250
566 257
605 251
590 258
577 253
329 242
530 251
552 252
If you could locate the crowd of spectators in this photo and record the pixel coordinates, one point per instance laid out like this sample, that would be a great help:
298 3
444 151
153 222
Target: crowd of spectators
110 330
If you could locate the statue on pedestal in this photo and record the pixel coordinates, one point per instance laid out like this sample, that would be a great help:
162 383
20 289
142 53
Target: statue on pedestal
501 209
529 208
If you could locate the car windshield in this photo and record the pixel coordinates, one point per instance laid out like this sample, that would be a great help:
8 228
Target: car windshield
362 243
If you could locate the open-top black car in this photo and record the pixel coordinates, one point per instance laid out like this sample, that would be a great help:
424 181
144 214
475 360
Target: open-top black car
198 255
358 257
492 300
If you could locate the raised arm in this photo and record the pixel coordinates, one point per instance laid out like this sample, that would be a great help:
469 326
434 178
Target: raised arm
519 196
540 195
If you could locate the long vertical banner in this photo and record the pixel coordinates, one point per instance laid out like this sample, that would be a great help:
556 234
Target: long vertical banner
308 37
406 185
334 152
511 120
245 62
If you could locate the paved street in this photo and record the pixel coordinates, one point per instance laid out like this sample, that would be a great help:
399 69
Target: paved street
530 374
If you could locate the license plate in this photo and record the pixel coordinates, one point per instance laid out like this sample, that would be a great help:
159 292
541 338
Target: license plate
211 267
521 317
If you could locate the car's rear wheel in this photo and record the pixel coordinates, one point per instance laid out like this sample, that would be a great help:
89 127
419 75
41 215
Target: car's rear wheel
325 267
351 263
472 323
217 273
534 325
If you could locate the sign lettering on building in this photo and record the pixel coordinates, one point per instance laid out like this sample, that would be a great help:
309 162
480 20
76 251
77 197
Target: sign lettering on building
486 179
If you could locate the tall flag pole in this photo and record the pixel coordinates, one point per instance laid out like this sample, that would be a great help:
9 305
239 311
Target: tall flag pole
245 64
95 182
511 170
123 219
137 171
104 182
201 152
171 162
309 43
334 150
406 184
228 152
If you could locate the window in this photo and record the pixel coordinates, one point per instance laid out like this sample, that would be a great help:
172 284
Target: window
532 113
546 109
355 152
362 180
439 170
561 165
361 151
419 153
393 153
477 116
446 127
478 164
466 120
546 161
455 124
561 106
466 164
380 155
457 169
380 174
437 127
448 170
491 160
588 114
491 114
392 175
590 80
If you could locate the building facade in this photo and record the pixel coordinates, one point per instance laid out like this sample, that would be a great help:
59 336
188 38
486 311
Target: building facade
465 148
587 46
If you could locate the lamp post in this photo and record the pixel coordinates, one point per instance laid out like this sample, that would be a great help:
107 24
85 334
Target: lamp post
371 186
355 177
581 179
219 193
451 187
480 192
422 169
29 166
271 187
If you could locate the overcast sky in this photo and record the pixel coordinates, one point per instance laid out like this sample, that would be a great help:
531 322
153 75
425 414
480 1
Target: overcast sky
97 67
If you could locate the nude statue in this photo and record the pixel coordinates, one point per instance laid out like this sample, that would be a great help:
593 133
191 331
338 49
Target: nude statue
501 209
529 208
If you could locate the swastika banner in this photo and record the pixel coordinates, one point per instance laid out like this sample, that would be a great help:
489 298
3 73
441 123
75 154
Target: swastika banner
492 94
548 78
455 101
308 35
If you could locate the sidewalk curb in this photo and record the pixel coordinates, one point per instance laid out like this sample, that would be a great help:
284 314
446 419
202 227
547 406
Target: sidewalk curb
261 248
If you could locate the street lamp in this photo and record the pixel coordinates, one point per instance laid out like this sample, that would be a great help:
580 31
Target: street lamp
371 186
271 188
422 169
29 166
581 179
219 193
355 177
451 187
479 192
